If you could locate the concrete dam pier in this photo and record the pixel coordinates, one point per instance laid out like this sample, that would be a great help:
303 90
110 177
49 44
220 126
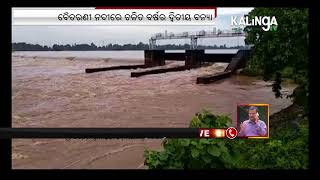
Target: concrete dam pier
192 58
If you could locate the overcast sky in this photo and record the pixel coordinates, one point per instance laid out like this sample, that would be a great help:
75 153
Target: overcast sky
103 35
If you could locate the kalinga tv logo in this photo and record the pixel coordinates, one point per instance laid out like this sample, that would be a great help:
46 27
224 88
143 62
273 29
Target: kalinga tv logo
266 22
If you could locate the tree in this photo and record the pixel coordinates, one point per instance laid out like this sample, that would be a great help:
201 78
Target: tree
286 47
93 46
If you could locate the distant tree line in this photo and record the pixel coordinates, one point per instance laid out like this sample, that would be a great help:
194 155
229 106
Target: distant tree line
22 46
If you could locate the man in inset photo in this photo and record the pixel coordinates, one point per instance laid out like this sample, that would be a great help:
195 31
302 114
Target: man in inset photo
253 126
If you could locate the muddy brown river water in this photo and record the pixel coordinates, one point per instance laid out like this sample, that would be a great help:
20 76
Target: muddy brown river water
49 92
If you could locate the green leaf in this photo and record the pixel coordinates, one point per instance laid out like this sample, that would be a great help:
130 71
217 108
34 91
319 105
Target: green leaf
163 156
206 159
193 142
194 153
205 141
220 143
185 142
200 146
214 151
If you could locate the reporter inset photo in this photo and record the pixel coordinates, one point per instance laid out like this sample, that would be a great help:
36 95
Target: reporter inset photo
253 120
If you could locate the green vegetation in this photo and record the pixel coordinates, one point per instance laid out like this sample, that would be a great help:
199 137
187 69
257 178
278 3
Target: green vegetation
282 53
287 148
195 153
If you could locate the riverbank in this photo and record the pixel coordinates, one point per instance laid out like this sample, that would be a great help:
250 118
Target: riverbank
58 93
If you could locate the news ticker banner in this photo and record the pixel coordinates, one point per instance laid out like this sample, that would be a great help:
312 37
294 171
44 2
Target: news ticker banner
115 16
117 133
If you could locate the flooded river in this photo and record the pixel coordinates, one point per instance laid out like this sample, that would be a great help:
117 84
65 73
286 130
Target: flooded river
57 92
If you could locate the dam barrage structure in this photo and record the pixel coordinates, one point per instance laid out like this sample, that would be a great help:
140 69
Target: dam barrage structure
192 57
